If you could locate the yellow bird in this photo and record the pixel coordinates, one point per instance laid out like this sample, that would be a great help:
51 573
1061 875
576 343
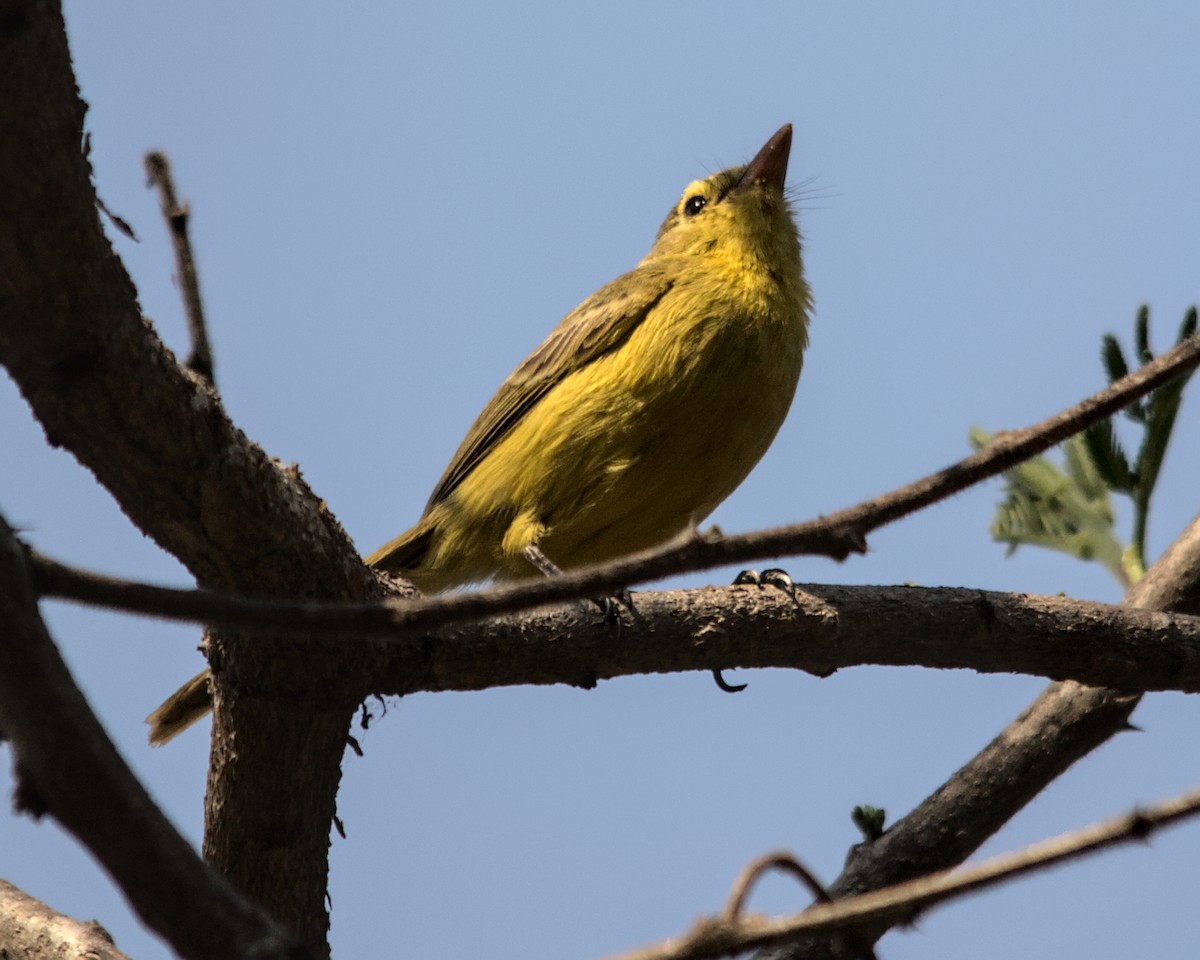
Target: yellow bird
642 410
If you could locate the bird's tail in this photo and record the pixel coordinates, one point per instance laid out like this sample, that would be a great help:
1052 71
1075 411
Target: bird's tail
180 710
406 552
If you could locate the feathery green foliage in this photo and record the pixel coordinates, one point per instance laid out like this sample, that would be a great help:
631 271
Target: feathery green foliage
1068 508
1060 509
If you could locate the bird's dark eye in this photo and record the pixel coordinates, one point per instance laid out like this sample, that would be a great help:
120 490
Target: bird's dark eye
693 205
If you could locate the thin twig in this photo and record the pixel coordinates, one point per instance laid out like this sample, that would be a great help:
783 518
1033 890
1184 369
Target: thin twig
835 535
158 168
119 222
786 863
719 937
753 872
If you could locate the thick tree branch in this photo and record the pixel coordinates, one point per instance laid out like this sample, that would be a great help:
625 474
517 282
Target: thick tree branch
30 930
155 435
59 747
819 630
1065 723
101 382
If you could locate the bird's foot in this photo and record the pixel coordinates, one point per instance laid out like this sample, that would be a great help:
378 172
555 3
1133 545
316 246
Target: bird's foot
772 577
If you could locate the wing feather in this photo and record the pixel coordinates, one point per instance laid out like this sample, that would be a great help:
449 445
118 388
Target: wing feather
597 326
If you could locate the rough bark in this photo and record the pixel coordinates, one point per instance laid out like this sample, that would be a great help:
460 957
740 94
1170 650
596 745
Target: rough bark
105 387
817 628
30 930
67 767
823 629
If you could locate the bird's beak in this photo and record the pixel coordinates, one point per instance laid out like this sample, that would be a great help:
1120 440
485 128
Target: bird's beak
769 166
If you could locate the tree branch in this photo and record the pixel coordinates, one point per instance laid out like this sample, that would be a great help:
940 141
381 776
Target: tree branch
30 930
59 747
1066 722
819 630
200 358
155 435
725 935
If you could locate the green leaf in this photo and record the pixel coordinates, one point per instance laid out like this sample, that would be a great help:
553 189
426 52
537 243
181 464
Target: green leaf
1068 511
1162 407
1113 357
1160 422
1188 327
1141 335
1108 457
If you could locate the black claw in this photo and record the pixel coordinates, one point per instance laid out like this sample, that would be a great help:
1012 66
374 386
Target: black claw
726 685
772 577
610 608
778 577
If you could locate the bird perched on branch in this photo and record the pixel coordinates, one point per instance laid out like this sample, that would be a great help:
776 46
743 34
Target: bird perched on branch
640 412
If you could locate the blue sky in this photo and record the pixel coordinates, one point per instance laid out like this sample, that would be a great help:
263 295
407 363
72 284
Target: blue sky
392 204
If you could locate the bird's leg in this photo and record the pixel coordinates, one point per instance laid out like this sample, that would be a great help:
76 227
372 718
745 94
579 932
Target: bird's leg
608 605
533 553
